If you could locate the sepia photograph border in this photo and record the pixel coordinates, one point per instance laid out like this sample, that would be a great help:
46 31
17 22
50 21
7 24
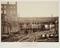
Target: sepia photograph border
30 44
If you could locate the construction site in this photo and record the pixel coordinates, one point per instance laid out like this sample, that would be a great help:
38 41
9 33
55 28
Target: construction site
27 29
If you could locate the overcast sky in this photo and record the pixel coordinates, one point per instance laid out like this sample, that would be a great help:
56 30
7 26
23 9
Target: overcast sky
37 9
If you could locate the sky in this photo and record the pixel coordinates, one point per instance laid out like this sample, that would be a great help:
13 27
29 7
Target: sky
37 9
30 45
